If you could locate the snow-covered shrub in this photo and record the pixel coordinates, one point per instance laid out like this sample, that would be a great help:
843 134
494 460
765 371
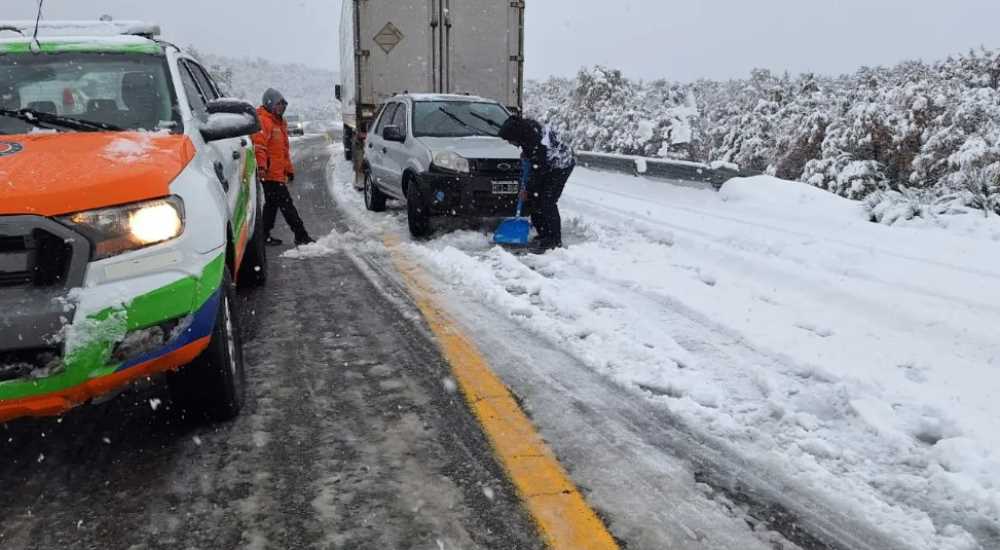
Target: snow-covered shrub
927 127
601 110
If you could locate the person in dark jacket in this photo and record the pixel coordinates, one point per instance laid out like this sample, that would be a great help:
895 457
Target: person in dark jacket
552 162
275 169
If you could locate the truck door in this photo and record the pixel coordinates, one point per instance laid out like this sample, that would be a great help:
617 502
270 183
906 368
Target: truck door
483 49
221 152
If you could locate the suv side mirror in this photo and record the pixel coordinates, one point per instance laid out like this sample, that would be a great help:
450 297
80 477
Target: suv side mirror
338 91
229 118
393 133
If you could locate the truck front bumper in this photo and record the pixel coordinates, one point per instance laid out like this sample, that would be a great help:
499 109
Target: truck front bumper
120 332
466 195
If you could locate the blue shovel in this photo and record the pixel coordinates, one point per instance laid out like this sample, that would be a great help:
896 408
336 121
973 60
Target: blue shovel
514 231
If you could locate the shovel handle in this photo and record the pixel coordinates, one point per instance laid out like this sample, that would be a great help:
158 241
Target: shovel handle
525 177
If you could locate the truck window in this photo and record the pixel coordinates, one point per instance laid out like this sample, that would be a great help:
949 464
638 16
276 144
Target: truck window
208 88
199 105
131 91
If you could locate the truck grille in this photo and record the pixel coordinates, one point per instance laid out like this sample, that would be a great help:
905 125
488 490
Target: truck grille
32 254
32 363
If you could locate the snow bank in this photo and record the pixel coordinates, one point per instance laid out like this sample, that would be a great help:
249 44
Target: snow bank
789 196
856 363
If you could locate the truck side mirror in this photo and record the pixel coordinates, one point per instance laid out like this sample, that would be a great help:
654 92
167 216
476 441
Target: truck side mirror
337 91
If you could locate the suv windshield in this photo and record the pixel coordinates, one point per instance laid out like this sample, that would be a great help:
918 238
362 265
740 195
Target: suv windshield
457 118
128 91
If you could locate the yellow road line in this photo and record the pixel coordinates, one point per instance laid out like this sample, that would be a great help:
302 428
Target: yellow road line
562 515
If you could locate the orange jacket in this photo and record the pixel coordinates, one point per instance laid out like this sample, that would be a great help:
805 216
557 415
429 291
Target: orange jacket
271 147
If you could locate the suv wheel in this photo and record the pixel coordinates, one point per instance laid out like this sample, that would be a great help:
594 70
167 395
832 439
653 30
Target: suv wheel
417 214
374 198
213 386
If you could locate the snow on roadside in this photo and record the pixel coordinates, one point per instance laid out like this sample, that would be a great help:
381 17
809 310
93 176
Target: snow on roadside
860 361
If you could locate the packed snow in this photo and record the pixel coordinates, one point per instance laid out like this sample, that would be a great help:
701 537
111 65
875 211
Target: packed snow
856 363
129 148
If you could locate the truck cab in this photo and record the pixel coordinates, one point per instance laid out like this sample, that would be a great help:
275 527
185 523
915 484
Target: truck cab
128 211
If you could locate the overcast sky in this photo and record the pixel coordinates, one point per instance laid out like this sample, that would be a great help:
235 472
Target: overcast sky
679 40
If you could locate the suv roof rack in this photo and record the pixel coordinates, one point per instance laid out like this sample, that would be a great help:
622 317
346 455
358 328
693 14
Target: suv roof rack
83 28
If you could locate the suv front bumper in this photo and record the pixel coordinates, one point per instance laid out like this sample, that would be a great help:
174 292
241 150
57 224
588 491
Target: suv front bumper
466 194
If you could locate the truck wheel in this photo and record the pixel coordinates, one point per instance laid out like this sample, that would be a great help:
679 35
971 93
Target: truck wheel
374 197
417 215
253 270
213 386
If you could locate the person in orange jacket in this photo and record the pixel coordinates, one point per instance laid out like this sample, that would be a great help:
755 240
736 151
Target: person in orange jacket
274 168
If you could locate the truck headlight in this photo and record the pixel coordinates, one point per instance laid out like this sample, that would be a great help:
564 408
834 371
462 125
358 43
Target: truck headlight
452 162
120 229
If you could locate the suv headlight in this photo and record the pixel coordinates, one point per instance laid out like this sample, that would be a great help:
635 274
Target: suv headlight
120 229
452 162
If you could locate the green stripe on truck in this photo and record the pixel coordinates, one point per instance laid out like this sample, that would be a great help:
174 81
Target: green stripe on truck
106 328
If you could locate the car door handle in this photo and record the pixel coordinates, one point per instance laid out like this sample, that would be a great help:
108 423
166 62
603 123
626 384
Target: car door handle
220 172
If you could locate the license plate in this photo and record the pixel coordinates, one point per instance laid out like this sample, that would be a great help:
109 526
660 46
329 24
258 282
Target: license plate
14 262
506 187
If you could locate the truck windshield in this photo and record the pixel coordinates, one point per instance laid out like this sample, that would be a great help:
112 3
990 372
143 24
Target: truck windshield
457 118
115 90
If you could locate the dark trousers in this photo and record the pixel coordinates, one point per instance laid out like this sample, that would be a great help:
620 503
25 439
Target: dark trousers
276 197
543 203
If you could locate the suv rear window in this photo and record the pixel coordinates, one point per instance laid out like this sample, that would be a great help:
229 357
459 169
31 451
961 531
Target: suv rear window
131 91
457 118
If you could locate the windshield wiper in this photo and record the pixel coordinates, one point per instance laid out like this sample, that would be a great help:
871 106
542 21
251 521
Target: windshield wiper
487 120
42 119
462 122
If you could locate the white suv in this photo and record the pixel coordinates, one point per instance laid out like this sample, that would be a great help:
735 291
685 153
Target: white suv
441 154
129 209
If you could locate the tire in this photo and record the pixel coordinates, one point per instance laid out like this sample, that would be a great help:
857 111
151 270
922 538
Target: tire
253 270
213 386
374 197
418 217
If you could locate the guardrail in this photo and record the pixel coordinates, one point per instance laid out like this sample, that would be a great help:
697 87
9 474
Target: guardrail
659 168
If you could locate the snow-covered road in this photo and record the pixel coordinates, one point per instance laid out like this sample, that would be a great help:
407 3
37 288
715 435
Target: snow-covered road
701 358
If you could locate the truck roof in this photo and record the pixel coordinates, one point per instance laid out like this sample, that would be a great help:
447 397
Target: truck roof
448 97
64 44
80 36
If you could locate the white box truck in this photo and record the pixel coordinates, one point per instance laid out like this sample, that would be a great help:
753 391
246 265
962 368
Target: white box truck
388 47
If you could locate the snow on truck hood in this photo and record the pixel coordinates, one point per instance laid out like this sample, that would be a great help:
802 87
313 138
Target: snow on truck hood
54 174
482 147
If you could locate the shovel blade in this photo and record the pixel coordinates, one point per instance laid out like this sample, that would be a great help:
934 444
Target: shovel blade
513 231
